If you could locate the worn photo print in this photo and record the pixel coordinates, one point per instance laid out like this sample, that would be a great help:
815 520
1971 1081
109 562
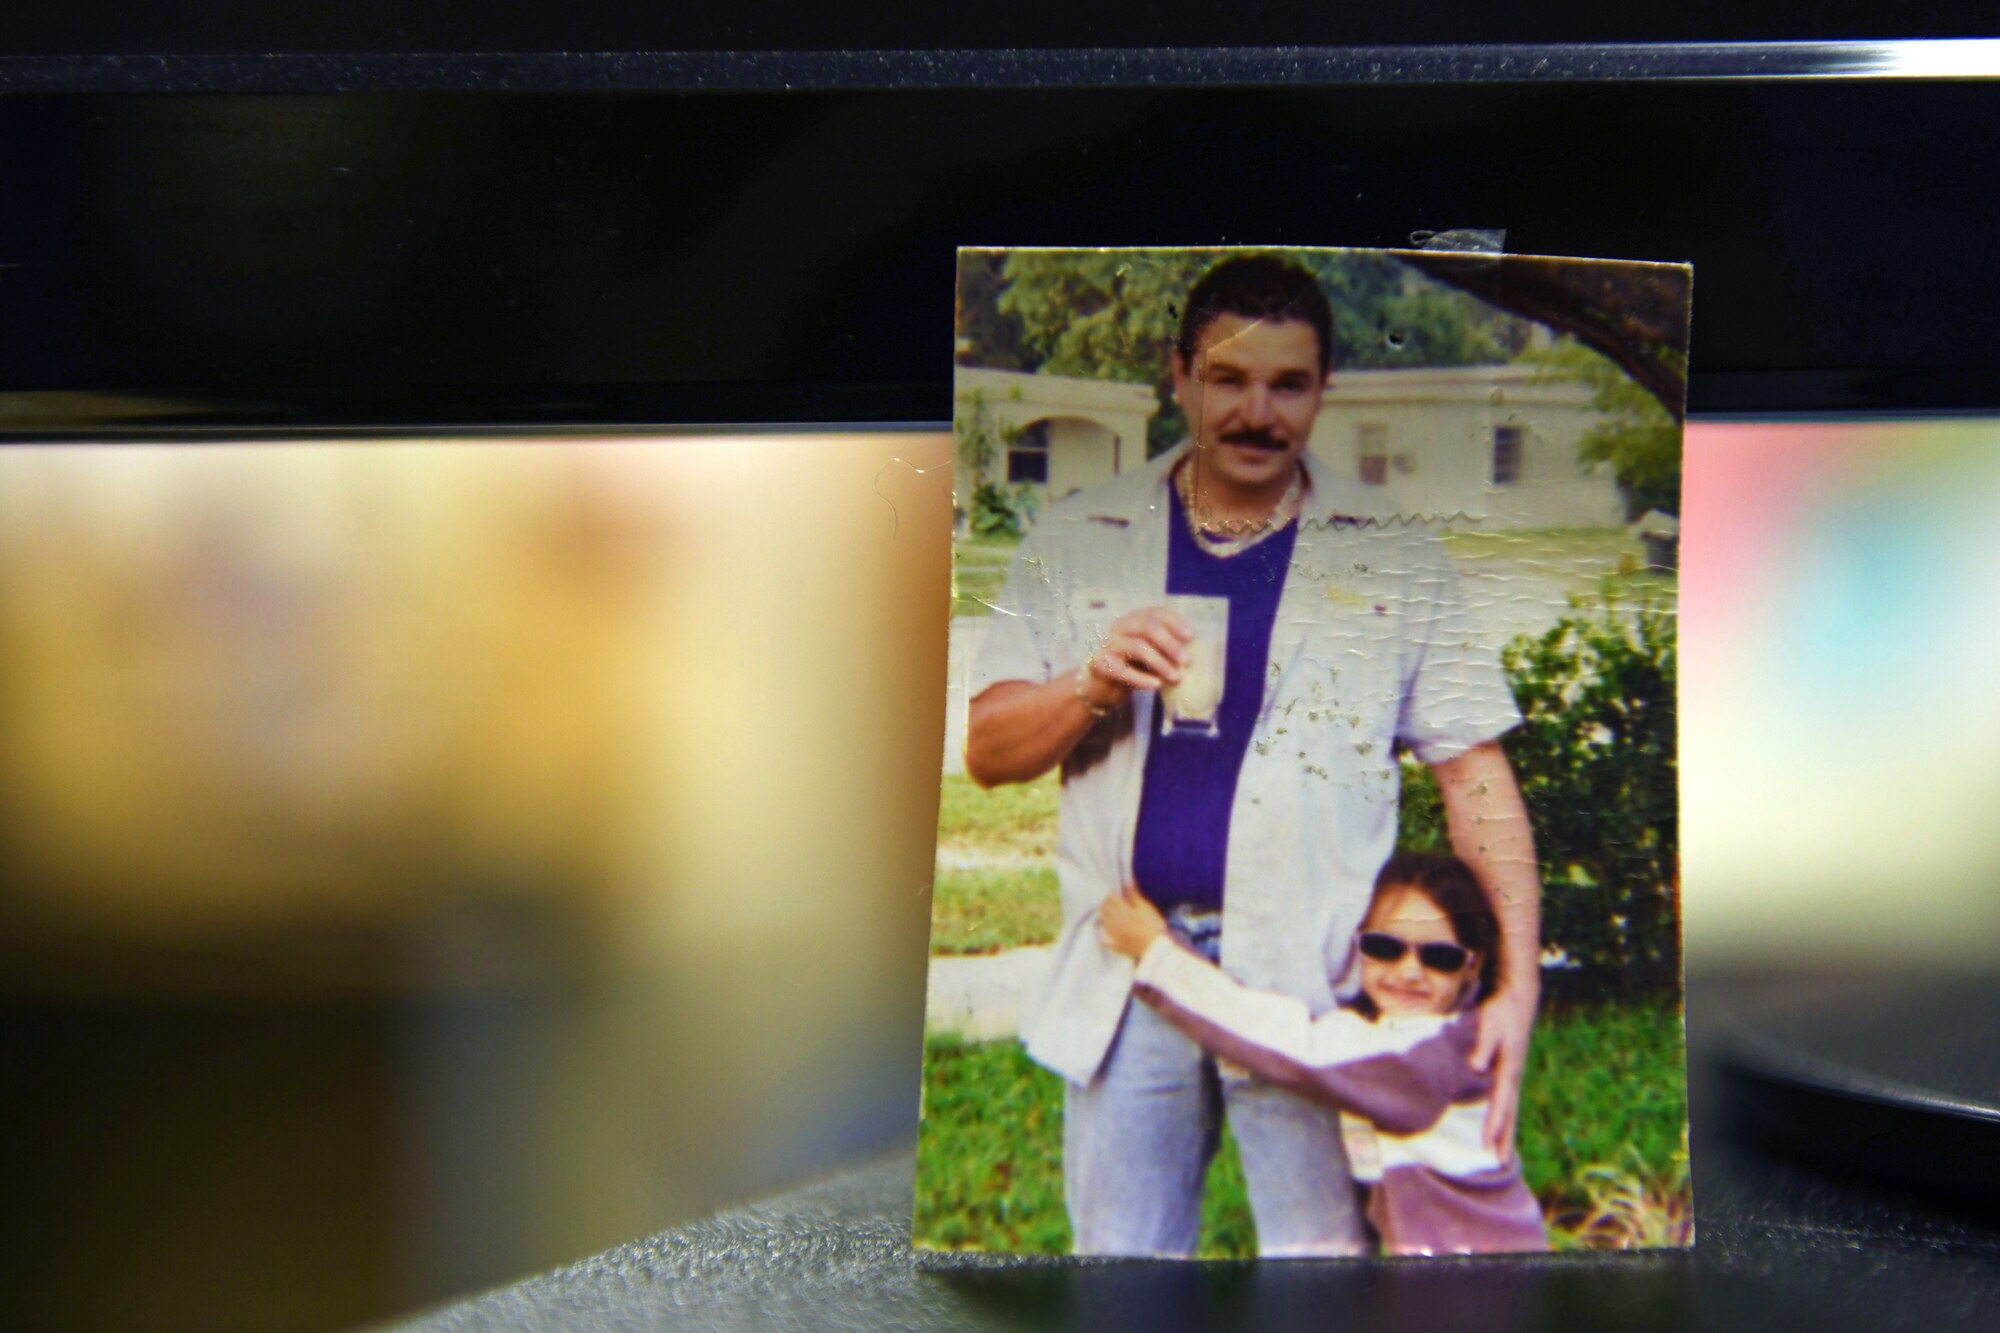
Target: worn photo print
1308 864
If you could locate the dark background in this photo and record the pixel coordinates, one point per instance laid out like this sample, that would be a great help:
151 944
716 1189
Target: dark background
727 257
304 254
526 25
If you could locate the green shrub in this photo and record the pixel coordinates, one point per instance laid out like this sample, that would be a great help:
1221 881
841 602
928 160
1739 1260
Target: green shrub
982 443
1596 761
999 512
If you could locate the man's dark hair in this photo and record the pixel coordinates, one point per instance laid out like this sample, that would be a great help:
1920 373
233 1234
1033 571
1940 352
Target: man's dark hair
1256 287
1450 884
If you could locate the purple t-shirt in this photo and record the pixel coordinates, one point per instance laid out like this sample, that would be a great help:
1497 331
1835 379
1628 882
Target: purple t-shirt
1181 847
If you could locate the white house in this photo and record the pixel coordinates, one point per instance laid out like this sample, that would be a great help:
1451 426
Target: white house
1477 443
1073 432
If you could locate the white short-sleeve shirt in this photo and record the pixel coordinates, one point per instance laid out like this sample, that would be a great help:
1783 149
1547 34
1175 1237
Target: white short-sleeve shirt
1373 648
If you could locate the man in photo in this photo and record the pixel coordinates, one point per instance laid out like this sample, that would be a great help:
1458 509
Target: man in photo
1338 643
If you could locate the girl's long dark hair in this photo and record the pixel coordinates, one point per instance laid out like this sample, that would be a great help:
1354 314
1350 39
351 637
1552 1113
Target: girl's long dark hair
1452 887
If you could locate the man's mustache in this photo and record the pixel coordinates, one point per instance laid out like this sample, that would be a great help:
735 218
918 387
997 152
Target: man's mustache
1254 439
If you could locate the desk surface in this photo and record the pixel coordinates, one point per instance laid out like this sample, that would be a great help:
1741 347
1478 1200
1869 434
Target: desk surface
1781 1245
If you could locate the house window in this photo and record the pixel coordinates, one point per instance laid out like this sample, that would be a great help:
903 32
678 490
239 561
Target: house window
1506 455
1374 453
1028 456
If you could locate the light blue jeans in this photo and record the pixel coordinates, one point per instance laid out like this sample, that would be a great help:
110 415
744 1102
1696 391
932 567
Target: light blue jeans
1138 1140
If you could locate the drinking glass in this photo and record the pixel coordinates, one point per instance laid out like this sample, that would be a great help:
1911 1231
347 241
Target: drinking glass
1194 704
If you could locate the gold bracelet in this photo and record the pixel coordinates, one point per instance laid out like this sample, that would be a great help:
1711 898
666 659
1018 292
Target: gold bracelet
1082 679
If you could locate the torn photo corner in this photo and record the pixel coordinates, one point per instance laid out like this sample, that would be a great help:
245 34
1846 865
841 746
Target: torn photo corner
1308 845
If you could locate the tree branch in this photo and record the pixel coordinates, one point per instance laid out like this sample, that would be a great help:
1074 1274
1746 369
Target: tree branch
1634 313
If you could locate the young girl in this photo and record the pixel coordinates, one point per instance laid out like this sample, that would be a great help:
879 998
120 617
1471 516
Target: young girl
1396 1062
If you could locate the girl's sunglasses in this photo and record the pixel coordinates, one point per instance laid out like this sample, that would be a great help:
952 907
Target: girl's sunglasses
1437 957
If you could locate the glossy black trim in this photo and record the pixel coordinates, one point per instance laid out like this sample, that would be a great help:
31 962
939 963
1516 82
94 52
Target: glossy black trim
877 70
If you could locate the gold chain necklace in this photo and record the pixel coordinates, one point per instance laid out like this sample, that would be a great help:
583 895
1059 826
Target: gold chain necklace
1286 508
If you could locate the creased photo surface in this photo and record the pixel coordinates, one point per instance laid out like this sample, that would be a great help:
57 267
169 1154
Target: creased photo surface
1307 874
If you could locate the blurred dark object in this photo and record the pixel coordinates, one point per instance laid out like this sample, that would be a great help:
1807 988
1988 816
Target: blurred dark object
205 1163
1661 534
273 1163
1779 1246
1897 1079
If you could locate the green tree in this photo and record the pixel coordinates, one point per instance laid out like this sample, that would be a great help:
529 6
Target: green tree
1634 436
1098 314
1429 325
986 336
977 435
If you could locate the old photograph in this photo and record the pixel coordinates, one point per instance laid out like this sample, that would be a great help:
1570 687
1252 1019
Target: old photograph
1307 876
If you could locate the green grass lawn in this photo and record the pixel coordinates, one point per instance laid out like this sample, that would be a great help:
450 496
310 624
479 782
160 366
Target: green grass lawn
1547 546
978 910
989 1166
1605 1087
1605 1081
1020 817
978 567
996 881
1594 562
